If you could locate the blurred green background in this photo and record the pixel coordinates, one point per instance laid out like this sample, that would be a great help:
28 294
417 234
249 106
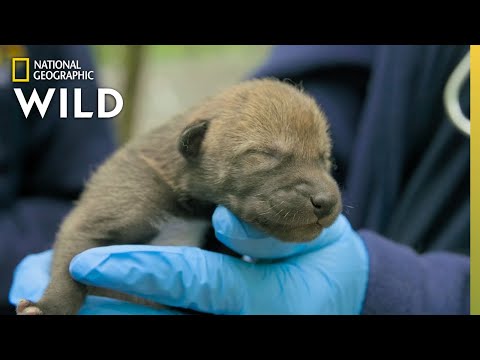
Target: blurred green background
158 81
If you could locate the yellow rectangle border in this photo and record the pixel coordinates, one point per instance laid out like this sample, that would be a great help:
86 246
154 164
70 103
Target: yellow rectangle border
475 179
27 65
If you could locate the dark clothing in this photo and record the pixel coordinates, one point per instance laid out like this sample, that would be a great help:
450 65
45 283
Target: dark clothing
44 163
402 166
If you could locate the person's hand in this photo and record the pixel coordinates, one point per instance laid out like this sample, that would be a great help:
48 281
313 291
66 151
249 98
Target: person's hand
33 274
325 276
328 277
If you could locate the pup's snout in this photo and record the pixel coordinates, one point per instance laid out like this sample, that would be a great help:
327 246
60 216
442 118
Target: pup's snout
323 204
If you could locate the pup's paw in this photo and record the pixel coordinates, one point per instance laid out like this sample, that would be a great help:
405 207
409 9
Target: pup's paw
26 307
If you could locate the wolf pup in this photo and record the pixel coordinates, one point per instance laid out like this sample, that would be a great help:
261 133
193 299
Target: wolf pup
260 148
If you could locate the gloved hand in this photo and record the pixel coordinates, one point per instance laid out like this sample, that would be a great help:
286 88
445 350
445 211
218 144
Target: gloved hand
326 276
31 279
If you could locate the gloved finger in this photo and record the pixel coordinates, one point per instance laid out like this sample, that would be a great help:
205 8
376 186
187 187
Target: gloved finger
97 305
31 277
185 277
247 240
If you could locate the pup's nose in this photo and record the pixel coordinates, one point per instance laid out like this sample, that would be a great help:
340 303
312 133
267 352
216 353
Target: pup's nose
323 204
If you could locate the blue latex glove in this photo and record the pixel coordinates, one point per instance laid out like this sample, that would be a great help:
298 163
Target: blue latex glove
326 276
31 279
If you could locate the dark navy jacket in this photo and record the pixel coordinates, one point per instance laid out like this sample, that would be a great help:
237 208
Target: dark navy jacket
403 168
44 162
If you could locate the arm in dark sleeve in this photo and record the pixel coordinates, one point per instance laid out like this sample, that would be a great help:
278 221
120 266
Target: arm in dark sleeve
404 282
45 176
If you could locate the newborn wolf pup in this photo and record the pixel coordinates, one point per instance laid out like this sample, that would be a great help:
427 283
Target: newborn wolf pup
260 148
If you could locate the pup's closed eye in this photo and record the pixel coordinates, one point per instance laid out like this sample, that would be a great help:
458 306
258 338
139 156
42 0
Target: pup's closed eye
261 160
269 153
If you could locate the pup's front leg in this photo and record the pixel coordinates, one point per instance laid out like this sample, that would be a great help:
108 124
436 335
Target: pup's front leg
63 296
123 204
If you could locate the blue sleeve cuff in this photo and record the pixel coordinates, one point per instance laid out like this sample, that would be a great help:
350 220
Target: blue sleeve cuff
404 282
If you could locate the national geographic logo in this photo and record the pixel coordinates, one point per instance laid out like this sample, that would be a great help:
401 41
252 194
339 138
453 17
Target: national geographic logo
49 70
60 70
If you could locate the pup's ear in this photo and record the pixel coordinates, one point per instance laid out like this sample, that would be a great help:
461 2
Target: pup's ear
191 139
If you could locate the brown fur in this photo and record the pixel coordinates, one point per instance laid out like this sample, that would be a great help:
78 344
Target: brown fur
260 148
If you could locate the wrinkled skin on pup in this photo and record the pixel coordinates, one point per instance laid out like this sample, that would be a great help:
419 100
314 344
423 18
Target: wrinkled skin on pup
260 148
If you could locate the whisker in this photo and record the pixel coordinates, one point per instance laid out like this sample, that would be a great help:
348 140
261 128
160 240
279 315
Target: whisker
278 214
271 208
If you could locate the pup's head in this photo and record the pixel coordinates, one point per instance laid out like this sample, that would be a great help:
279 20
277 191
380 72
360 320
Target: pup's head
262 149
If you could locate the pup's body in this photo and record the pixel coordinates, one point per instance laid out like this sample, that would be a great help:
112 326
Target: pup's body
260 148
